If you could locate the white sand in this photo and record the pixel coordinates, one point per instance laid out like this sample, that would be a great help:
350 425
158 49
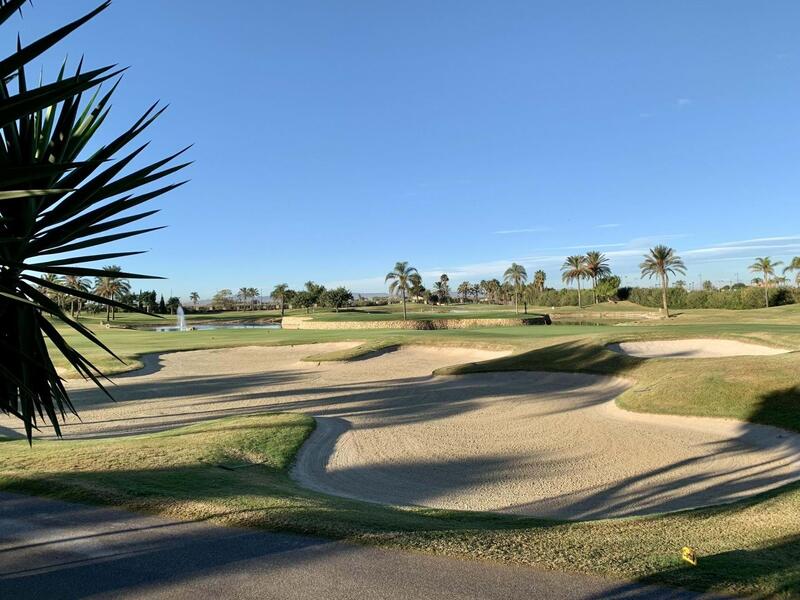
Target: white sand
543 444
693 348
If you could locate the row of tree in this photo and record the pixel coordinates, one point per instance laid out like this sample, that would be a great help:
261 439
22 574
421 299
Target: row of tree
661 262
406 282
311 296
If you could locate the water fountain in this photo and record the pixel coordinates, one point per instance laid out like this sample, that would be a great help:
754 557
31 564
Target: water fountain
181 319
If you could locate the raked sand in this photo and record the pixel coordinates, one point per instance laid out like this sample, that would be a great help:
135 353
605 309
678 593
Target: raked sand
693 348
543 444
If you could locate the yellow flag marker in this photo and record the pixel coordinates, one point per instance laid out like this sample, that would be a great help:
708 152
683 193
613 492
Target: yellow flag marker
688 554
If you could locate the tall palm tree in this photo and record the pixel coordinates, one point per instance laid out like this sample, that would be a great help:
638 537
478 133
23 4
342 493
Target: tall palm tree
464 290
416 288
279 294
112 287
476 292
766 267
195 298
77 283
596 267
575 269
443 288
794 265
400 281
662 261
54 295
538 280
492 288
253 293
515 275
243 295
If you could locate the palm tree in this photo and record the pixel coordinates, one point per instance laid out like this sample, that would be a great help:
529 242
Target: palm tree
112 287
253 293
243 295
400 281
443 288
794 265
538 280
662 261
516 275
596 267
279 294
54 295
80 284
575 269
194 297
416 288
766 267
490 288
464 290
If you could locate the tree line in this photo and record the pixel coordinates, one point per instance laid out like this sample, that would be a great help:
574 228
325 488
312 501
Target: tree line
592 272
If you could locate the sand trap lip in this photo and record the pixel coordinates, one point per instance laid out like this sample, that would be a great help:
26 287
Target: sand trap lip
693 348
540 444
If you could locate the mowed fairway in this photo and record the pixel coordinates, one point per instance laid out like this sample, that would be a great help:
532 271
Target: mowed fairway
401 418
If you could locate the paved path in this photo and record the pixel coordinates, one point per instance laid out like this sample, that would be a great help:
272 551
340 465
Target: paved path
52 549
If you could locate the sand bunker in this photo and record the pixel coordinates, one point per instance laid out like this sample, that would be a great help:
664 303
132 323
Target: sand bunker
692 348
543 444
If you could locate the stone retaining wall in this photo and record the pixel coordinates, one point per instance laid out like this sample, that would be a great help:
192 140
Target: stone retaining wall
418 324
612 315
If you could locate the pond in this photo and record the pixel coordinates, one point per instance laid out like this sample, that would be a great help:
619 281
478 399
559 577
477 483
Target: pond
220 326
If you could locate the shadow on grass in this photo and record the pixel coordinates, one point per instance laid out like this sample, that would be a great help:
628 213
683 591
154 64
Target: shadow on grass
780 408
777 565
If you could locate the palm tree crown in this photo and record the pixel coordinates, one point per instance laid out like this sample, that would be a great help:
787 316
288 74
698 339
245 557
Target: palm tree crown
538 280
766 266
596 267
401 282
575 269
112 287
515 275
662 262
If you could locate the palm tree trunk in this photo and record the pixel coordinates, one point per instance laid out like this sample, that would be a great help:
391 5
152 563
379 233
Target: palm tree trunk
766 289
516 302
594 289
403 294
579 294
664 284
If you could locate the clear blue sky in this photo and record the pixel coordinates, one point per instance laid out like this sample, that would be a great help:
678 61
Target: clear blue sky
334 138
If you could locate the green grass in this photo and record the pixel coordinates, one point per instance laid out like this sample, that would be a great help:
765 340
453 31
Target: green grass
751 547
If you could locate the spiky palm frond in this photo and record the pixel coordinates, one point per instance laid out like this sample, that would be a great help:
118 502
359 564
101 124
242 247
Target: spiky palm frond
766 266
661 261
57 201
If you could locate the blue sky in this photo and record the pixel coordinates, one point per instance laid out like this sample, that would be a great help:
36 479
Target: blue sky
333 138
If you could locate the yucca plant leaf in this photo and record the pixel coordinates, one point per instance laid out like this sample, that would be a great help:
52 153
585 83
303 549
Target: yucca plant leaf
24 55
21 194
103 239
54 201
24 104
82 259
8 8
